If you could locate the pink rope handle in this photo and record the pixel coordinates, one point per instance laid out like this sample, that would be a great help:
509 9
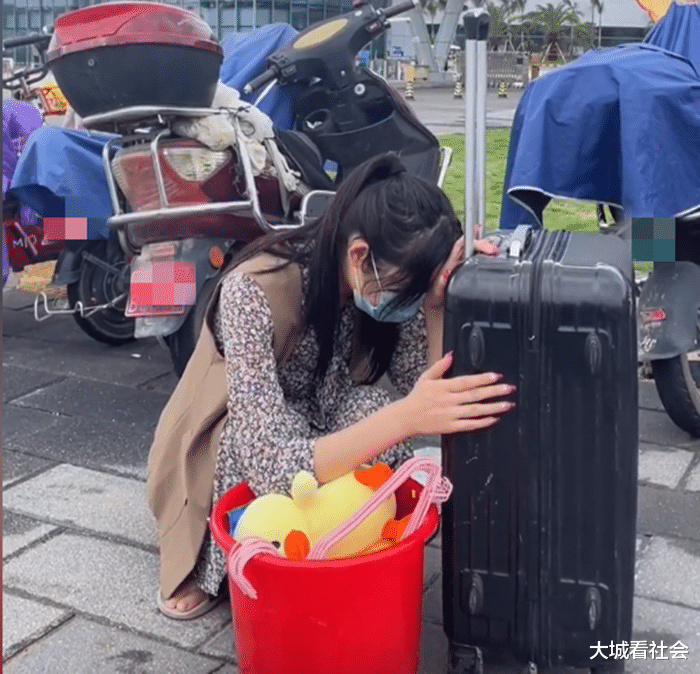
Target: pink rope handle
437 490
240 555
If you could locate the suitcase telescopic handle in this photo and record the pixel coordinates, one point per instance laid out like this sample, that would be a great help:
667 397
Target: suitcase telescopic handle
476 23
518 241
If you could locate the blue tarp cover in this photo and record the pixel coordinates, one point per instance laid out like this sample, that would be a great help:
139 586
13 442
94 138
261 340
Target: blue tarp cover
61 174
245 57
619 126
679 32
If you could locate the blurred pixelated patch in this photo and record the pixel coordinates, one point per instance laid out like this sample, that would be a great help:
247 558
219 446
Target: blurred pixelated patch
654 239
163 283
65 229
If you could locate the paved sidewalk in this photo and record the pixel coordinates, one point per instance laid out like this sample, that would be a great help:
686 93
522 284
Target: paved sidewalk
79 547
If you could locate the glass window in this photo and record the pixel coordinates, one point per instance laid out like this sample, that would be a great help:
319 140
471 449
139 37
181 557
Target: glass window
246 16
281 15
316 13
21 19
300 15
35 19
8 17
263 13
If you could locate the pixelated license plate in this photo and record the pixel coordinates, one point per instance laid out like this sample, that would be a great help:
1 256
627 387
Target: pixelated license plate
161 287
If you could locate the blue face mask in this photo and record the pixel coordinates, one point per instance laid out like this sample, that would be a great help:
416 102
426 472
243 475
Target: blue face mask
381 312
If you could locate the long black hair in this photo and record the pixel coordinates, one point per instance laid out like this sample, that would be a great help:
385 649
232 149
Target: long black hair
407 222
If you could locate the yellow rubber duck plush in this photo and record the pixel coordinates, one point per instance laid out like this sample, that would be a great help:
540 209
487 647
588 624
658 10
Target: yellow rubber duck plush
294 524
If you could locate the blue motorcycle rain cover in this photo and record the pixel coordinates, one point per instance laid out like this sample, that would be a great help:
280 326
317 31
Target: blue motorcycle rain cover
679 32
245 57
619 126
61 173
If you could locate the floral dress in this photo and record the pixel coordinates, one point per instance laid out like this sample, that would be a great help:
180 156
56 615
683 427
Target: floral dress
277 412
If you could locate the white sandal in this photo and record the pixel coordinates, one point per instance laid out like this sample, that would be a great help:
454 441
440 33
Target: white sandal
196 611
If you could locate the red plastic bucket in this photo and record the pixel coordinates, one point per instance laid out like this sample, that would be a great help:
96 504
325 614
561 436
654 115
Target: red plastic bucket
348 616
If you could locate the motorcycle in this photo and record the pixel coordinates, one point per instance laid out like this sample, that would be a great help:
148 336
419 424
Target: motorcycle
631 111
24 242
669 327
194 173
94 271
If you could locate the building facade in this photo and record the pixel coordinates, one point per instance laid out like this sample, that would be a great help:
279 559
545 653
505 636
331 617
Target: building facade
224 16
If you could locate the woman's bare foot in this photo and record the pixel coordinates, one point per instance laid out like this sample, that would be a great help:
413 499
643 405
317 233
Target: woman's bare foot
186 597
188 601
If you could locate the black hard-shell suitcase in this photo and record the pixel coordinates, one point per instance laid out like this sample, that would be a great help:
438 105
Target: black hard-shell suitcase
538 539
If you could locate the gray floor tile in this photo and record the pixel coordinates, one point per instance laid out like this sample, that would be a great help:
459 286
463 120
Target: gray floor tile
660 622
83 647
113 581
17 381
24 620
657 427
693 483
23 422
221 645
16 299
432 604
90 442
16 465
433 650
18 531
431 565
648 396
58 328
97 361
107 403
668 512
87 499
664 466
670 571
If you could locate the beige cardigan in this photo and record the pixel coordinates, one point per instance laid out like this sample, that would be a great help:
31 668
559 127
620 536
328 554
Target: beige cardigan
183 455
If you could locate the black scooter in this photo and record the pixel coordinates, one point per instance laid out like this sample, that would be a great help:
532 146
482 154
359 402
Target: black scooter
669 327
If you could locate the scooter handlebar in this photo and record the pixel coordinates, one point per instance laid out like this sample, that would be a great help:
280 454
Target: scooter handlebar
260 81
400 8
25 40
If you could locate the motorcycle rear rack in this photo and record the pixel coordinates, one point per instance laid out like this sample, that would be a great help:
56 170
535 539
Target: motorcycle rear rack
143 115
79 308
140 116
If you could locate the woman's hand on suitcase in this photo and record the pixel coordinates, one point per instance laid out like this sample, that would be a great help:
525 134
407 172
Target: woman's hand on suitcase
456 405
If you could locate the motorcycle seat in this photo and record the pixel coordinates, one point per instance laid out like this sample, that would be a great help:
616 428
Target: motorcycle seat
305 157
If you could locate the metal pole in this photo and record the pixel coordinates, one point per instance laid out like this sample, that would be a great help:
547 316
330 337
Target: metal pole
469 141
476 23
481 129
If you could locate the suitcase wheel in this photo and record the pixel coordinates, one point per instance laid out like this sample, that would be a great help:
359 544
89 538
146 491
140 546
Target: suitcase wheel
465 660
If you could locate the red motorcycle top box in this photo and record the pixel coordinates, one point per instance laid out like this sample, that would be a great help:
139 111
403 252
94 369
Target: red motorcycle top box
121 54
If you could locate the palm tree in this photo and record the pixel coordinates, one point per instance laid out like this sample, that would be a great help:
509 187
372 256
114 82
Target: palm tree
499 29
552 20
519 6
585 34
597 5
